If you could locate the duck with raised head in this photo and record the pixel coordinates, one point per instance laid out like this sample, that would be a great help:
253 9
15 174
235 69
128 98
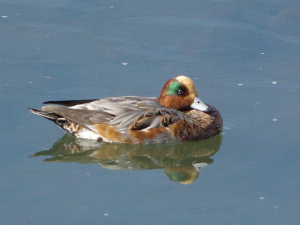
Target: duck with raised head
177 115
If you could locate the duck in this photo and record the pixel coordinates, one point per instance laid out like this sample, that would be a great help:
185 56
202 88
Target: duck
177 115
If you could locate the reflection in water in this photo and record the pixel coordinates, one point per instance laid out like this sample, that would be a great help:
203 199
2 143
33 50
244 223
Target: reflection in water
182 162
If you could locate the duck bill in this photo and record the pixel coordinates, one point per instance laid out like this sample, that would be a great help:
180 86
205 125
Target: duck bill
199 105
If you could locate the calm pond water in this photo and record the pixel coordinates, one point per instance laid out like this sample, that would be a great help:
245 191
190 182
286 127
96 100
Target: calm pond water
244 59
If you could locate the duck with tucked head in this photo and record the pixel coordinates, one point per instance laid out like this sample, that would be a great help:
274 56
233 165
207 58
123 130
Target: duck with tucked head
177 115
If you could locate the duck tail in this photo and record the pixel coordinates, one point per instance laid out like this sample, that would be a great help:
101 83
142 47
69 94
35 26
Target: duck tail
73 128
48 115
57 119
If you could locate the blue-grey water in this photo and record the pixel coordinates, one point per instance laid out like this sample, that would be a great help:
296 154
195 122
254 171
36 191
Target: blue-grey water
244 57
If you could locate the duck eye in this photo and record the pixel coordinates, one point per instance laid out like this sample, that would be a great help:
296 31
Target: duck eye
180 92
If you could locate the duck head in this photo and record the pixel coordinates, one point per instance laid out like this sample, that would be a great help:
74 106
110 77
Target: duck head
181 93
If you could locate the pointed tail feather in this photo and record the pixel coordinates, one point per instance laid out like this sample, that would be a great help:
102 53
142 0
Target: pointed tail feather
48 115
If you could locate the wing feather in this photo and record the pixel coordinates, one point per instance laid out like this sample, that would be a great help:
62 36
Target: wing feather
123 113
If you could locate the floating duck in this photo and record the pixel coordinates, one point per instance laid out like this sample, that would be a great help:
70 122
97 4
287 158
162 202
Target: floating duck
177 115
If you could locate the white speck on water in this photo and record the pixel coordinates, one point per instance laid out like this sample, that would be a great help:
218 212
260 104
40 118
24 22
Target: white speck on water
17 14
261 198
260 68
257 102
274 120
106 214
124 63
47 77
88 174
82 207
111 7
4 16
274 82
6 84
30 82
262 53
240 84
195 78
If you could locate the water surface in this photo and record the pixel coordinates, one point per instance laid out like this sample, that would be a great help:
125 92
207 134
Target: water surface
244 60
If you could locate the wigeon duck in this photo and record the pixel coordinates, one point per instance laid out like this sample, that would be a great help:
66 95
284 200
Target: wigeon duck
177 115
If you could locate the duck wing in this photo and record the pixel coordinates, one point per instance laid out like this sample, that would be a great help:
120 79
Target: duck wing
79 116
142 120
87 112
122 113
118 105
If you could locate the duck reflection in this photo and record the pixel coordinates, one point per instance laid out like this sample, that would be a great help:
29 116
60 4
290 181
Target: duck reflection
182 162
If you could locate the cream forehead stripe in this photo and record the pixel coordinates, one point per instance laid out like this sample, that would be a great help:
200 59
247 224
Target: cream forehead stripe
184 79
